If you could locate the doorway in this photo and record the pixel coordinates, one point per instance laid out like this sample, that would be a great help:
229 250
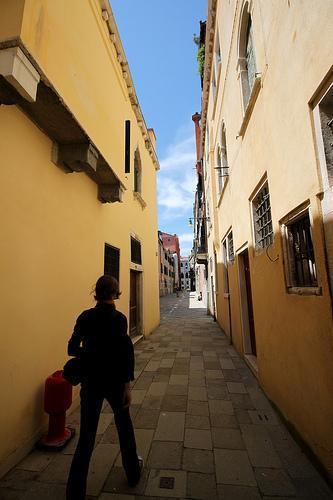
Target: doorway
134 319
249 335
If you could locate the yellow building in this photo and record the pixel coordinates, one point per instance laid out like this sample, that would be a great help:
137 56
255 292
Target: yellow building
78 177
267 171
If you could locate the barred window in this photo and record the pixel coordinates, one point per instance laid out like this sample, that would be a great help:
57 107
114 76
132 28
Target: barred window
111 261
302 266
136 251
263 227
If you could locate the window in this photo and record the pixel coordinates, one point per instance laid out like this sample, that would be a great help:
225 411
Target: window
326 121
222 161
165 270
111 261
263 228
135 251
217 52
246 55
137 172
230 242
250 57
161 268
213 85
225 266
301 266
182 275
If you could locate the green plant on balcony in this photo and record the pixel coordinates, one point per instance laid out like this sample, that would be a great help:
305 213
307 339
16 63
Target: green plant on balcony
200 55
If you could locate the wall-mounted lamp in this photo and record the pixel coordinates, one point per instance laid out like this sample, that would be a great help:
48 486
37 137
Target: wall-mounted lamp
192 220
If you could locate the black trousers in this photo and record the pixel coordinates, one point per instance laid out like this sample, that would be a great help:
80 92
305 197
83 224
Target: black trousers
92 397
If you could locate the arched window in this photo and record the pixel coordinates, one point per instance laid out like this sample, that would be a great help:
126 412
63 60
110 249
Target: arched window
246 55
137 172
222 160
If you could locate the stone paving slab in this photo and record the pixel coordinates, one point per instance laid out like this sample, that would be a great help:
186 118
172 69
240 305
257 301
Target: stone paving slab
233 467
202 423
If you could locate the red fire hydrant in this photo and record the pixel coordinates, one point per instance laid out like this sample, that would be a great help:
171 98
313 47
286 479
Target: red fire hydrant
57 400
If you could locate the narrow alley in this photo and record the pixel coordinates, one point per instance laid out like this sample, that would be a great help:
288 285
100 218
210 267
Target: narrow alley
203 426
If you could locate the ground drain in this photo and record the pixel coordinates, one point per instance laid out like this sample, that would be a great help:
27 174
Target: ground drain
168 483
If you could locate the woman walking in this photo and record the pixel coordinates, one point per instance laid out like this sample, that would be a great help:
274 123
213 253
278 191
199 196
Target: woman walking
100 339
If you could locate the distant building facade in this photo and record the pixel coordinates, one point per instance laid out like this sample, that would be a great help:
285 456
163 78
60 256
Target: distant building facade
171 243
167 268
185 273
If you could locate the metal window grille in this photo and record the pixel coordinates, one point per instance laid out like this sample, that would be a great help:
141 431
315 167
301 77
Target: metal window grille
263 219
231 254
111 261
136 251
301 253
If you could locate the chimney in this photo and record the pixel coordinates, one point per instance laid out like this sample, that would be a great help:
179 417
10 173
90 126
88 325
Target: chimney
196 118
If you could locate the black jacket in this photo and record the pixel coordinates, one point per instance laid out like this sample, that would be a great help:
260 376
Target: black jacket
100 339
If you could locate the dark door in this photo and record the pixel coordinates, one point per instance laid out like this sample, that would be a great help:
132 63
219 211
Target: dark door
247 275
133 303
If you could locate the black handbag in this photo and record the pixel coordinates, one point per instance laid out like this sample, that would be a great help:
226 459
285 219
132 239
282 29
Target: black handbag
72 371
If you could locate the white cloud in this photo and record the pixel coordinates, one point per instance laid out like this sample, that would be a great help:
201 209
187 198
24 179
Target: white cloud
185 242
173 195
180 154
186 237
176 179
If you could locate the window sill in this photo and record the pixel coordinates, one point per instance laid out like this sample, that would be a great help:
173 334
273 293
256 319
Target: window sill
250 105
306 290
137 196
222 191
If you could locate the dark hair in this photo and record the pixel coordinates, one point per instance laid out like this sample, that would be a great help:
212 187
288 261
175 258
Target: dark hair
106 288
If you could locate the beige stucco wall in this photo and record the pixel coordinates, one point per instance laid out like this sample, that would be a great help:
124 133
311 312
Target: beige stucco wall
294 333
53 226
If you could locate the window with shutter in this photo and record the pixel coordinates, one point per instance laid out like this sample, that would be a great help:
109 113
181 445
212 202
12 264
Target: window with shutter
135 251
302 267
111 261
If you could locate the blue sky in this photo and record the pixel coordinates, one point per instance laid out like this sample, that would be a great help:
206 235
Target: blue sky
158 39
